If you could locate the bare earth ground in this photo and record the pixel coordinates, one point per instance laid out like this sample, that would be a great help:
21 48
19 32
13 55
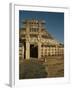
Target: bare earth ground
54 66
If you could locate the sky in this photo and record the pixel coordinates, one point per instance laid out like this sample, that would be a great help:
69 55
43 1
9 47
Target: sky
54 21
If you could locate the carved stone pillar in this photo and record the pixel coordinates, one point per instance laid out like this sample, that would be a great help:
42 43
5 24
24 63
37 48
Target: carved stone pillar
39 50
27 50
22 52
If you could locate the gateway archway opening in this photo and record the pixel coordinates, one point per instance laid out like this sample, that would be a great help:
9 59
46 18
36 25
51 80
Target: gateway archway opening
33 51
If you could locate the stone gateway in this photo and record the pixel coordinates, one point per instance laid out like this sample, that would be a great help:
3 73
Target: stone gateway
36 42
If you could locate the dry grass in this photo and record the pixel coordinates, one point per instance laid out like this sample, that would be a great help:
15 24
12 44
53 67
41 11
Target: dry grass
55 66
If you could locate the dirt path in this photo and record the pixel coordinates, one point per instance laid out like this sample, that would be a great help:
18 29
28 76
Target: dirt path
55 66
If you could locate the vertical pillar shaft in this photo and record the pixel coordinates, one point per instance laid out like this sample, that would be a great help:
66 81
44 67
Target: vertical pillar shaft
27 50
39 50
27 42
22 52
39 43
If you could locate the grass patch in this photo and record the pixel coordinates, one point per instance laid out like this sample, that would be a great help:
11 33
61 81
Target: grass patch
31 69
